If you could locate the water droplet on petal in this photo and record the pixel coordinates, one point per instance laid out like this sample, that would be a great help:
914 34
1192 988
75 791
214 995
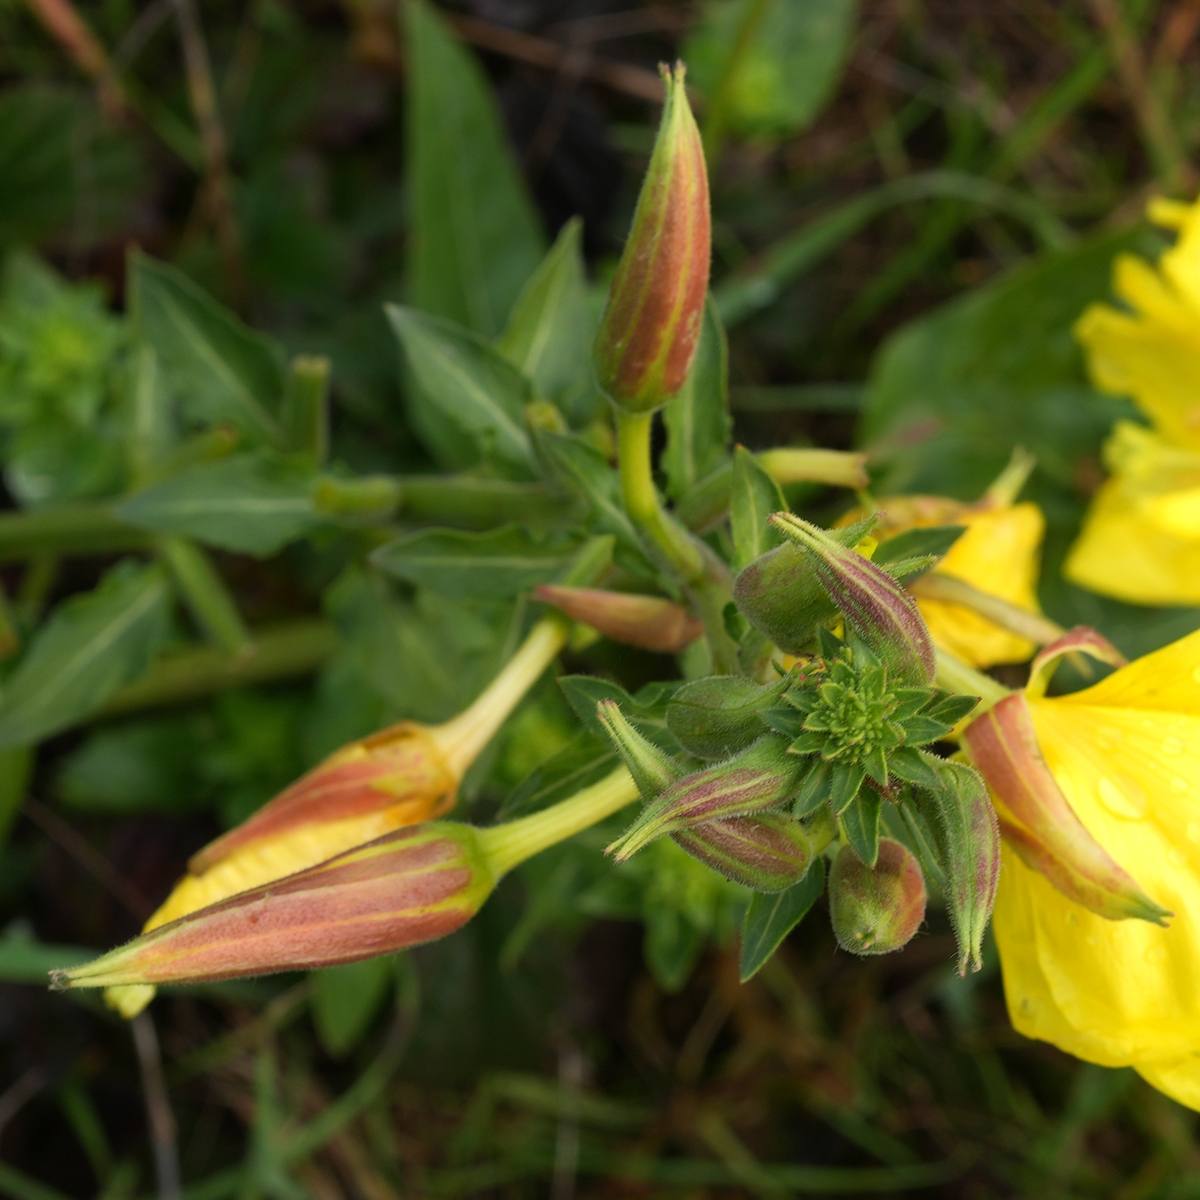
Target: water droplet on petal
1172 746
1127 800
1176 857
1179 786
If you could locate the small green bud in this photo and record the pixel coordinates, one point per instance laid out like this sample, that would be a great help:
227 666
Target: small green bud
757 779
873 604
767 853
715 717
876 910
652 770
651 326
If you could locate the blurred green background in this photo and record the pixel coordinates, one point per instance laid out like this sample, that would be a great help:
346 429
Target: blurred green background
913 201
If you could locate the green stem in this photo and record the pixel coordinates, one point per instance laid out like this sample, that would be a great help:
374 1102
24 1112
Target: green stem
284 652
956 676
506 846
675 547
206 595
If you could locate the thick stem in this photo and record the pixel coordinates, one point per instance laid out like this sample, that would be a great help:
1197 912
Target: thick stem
505 846
946 588
462 737
674 547
956 676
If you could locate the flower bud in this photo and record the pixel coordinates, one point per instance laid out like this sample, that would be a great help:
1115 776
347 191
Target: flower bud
648 334
651 622
653 771
875 910
1038 822
873 604
717 716
968 836
767 853
407 887
759 778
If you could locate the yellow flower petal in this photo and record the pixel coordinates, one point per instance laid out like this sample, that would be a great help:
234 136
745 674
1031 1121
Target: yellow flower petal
1178 1078
1126 754
998 554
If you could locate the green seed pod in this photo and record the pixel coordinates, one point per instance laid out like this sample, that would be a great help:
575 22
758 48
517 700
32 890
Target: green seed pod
876 910
767 853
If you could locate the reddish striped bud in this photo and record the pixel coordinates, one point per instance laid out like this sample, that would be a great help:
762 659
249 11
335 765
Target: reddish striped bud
407 887
651 622
875 910
873 604
1039 823
767 853
757 779
964 824
648 334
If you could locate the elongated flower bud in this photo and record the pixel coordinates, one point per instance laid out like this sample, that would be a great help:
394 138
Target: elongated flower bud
653 771
717 716
780 595
875 910
1038 822
648 335
767 853
405 888
757 779
874 605
968 835
651 622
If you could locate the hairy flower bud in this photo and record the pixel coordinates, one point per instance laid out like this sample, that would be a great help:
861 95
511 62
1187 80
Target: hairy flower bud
767 853
719 715
968 836
653 771
407 887
780 595
648 335
650 622
1038 822
757 779
873 604
875 910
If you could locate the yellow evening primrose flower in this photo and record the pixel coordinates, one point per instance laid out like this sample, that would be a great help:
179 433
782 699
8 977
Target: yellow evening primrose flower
998 554
1140 541
1151 352
1126 755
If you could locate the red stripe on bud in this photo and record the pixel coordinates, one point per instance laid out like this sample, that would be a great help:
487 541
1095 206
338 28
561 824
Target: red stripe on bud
767 853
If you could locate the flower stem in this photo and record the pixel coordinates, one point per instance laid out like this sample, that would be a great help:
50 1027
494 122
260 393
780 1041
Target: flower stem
956 676
505 846
673 545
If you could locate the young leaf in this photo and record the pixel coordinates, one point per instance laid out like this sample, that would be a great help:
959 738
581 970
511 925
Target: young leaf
212 364
500 564
770 918
929 540
475 236
584 760
697 420
754 496
549 335
250 503
860 822
90 646
466 401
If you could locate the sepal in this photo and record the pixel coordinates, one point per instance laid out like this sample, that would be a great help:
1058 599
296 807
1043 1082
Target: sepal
653 771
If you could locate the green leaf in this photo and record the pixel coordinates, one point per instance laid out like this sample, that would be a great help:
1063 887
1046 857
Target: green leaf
845 781
549 335
932 540
500 564
584 692
754 496
776 85
697 420
346 1000
23 959
211 364
89 647
250 503
770 918
814 790
466 400
860 823
474 233
584 760
582 470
